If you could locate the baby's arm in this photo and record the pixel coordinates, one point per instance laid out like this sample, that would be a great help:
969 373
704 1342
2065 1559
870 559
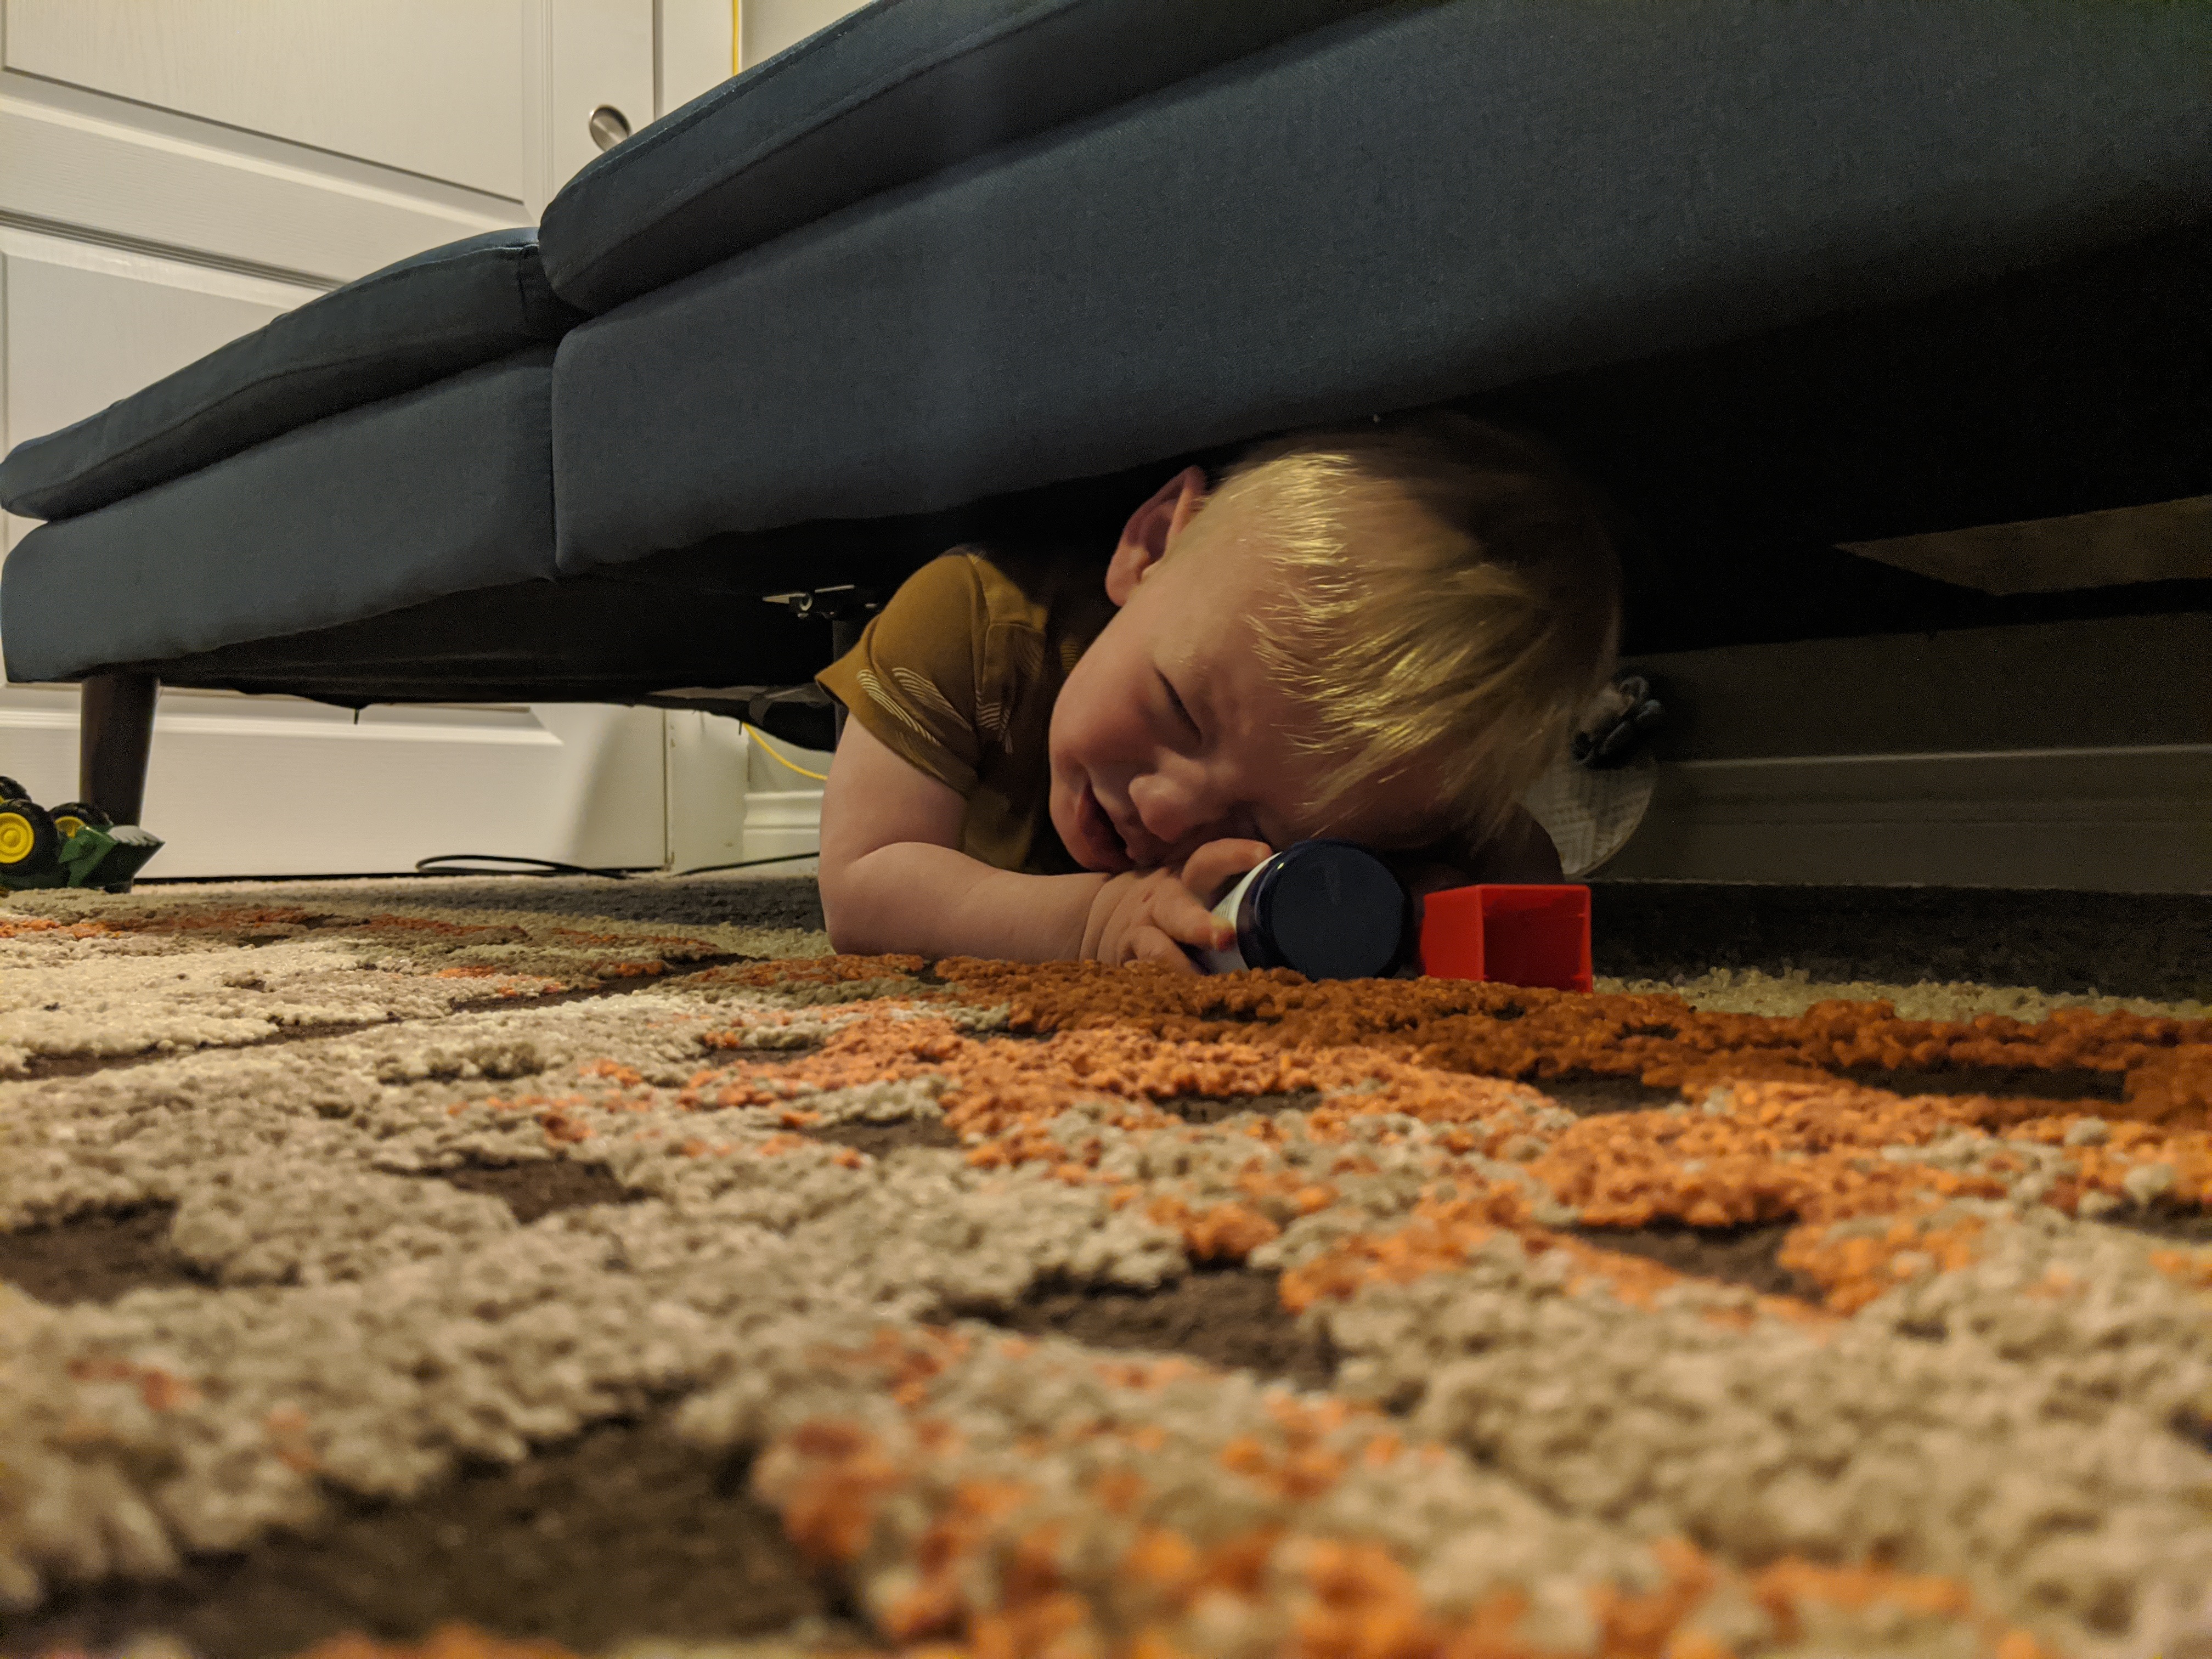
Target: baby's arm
894 879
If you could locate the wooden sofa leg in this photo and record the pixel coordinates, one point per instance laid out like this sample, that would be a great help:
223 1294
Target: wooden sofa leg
115 738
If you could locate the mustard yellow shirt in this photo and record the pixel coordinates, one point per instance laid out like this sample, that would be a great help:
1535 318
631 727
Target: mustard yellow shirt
957 675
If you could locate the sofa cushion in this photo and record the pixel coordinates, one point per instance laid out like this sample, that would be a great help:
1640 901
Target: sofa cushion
894 92
439 312
1428 202
443 489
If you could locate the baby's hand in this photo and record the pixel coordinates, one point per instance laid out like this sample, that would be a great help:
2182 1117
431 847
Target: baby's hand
1149 915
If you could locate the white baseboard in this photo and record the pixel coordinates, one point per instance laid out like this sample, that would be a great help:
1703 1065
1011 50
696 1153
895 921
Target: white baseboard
781 822
2103 820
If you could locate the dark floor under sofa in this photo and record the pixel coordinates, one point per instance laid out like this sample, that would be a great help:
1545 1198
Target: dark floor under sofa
1781 278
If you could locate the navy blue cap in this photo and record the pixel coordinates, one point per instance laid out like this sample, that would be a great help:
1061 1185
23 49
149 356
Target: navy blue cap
1329 909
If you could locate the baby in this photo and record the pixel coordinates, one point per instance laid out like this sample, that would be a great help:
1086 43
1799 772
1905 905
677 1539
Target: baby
1381 631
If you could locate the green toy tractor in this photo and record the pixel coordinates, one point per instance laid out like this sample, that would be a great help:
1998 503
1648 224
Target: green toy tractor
72 845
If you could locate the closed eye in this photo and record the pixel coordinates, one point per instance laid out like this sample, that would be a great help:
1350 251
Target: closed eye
1182 713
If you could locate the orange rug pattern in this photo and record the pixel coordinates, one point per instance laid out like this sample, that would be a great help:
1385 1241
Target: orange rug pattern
1965 1409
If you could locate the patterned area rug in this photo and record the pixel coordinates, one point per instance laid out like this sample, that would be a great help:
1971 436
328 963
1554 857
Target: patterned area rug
505 1281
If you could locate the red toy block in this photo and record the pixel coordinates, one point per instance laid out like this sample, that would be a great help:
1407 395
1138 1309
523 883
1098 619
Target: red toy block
1519 934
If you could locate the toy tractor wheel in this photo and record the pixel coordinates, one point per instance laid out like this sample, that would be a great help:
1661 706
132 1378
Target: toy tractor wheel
29 839
11 790
73 814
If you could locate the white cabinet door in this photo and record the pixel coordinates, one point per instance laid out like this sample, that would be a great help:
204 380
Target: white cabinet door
698 49
583 55
175 172
426 86
278 785
768 25
83 324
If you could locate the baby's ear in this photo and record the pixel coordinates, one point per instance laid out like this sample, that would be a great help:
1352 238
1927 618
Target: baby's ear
1144 537
1130 562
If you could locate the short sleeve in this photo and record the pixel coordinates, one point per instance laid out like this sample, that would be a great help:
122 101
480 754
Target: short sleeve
911 679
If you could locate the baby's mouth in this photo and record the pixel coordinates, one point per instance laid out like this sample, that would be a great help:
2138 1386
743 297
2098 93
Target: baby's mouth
1109 839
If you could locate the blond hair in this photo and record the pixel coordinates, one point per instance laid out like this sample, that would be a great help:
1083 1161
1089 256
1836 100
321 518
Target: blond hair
1461 638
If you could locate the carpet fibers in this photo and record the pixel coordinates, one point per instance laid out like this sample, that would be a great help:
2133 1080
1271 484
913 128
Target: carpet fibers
501 1269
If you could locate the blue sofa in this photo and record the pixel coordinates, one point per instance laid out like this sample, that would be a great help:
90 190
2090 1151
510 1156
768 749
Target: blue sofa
1775 274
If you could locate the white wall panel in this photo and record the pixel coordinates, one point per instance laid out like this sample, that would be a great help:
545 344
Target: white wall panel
729 797
781 822
782 805
2096 820
425 86
706 774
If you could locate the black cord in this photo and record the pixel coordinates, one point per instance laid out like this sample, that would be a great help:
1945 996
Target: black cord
541 866
555 867
747 864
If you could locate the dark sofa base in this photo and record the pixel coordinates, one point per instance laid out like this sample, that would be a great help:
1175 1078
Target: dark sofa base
591 639
1735 469
590 642
2067 388
582 641
700 618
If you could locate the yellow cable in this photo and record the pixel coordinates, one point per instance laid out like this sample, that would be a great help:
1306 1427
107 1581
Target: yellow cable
737 35
755 733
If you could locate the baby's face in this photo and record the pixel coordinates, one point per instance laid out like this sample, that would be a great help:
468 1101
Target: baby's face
1168 734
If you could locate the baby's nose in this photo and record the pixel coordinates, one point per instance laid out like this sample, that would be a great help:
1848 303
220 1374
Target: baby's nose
1180 834
1167 815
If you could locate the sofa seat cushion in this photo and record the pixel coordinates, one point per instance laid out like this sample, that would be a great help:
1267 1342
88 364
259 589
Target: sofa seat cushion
894 92
1428 202
441 489
439 312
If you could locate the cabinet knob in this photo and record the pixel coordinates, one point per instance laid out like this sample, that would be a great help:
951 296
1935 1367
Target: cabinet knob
609 126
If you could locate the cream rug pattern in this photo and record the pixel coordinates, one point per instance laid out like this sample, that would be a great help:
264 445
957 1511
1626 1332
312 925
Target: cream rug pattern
997 1311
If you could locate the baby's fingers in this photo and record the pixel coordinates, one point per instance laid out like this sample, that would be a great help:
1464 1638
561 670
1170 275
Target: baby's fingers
1151 944
1185 917
1214 869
